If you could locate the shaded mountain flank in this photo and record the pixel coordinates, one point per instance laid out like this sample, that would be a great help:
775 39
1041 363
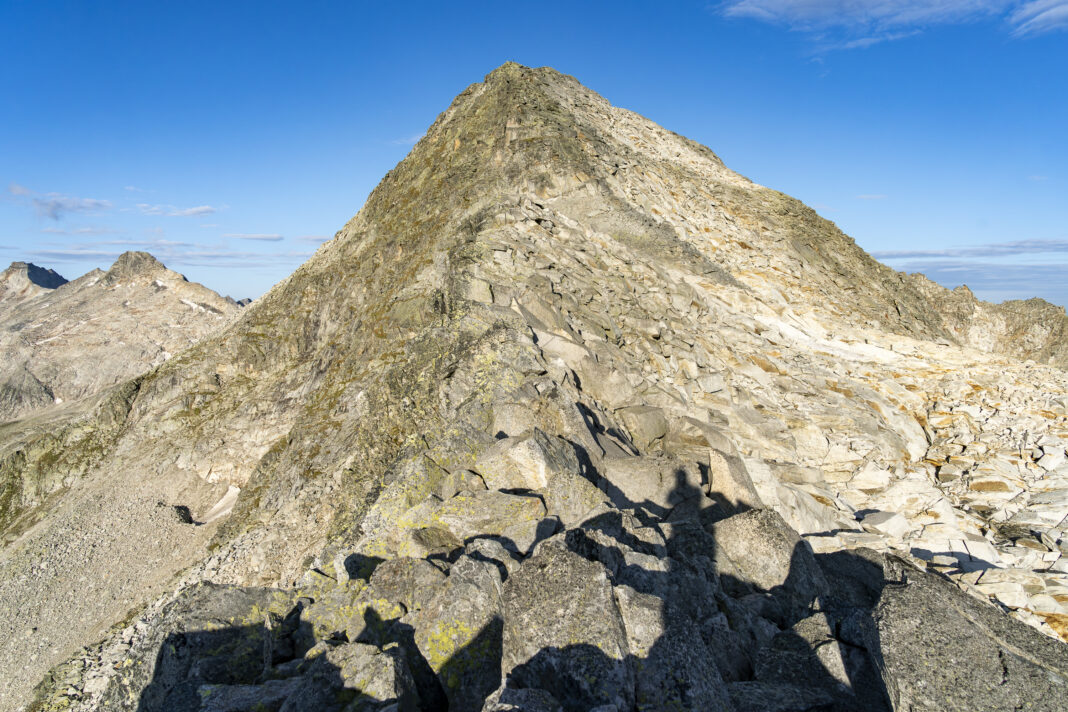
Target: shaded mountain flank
25 280
569 416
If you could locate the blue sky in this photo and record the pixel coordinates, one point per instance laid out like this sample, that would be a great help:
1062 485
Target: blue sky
230 138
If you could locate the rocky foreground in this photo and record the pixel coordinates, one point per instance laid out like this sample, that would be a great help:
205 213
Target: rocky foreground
569 416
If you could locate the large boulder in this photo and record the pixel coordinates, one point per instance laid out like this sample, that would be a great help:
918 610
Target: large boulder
757 550
563 632
526 461
943 650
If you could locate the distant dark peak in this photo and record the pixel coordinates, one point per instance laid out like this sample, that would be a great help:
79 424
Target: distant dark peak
47 278
135 264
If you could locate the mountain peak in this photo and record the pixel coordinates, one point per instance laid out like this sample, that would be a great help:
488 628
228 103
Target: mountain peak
25 280
45 278
135 263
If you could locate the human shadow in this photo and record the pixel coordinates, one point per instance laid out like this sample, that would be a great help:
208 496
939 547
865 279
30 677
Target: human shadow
714 617
722 640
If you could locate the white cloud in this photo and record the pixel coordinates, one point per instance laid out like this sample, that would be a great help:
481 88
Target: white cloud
408 141
868 22
313 238
818 14
172 211
994 249
78 231
55 206
265 237
1033 18
871 196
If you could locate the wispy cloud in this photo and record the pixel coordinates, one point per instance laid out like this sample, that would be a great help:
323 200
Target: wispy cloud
78 231
408 141
995 249
171 254
263 237
57 205
1037 179
820 14
134 189
1039 16
172 211
856 24
313 238
871 196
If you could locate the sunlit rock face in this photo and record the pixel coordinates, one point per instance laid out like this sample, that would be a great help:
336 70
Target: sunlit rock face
569 416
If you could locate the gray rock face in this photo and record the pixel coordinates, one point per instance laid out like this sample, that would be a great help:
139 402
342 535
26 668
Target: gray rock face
573 417
984 659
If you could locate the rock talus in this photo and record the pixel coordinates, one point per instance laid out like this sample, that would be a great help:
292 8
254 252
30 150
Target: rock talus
570 416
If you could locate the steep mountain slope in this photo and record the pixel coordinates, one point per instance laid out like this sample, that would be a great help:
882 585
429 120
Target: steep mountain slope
74 339
22 281
539 428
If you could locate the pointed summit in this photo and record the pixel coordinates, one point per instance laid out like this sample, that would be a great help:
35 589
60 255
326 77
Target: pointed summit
134 264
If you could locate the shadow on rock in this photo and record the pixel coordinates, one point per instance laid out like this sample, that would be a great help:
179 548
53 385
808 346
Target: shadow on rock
694 606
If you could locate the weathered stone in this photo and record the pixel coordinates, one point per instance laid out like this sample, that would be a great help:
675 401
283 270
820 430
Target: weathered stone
659 483
645 424
526 461
571 497
354 673
942 650
757 548
410 582
458 632
563 632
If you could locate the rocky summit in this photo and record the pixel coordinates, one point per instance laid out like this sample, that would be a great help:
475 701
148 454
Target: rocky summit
570 416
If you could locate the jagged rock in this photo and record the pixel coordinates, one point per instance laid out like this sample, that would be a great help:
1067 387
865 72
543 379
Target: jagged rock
645 424
355 676
459 633
653 482
407 581
25 280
